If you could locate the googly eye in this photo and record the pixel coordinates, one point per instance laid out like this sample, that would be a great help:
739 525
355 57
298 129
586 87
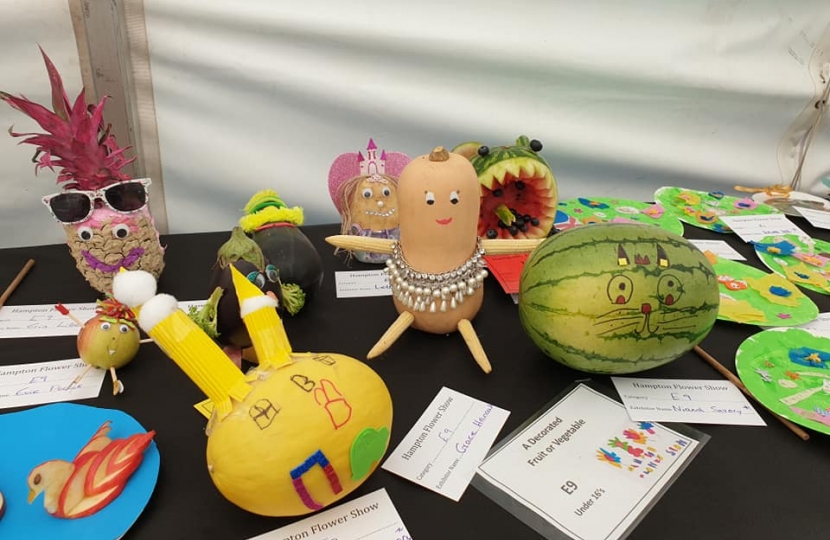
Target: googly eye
454 197
367 193
386 192
123 328
430 197
105 326
85 233
121 231
260 280
272 273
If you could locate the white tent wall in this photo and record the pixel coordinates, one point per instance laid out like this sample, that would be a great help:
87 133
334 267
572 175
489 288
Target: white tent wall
25 24
626 97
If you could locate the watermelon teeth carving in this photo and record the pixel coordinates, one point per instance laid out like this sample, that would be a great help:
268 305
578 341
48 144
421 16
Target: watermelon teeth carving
518 189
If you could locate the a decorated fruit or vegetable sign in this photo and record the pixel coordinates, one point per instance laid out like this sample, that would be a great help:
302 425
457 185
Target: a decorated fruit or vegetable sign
300 432
704 209
804 261
617 298
752 296
103 210
788 370
588 210
364 189
518 190
275 228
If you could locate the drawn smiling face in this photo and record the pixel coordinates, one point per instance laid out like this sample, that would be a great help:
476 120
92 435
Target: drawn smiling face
644 296
439 200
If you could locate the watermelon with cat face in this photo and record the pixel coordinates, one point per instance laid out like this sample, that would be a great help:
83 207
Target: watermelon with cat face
617 298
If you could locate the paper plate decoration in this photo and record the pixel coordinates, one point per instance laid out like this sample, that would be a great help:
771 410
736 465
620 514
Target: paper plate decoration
364 189
804 261
788 370
102 210
788 201
60 431
617 298
275 228
297 433
752 296
518 190
588 210
437 267
703 209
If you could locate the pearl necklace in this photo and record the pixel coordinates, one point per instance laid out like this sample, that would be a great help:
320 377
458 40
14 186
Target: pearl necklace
422 291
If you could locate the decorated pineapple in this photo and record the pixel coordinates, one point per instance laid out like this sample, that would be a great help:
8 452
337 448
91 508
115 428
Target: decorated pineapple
102 210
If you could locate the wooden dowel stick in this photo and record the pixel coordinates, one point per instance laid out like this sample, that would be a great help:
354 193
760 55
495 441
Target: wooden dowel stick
16 281
737 382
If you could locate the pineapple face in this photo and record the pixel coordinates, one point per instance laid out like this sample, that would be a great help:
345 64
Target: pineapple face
107 241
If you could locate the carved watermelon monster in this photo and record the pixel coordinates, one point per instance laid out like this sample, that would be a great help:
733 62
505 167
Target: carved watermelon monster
518 190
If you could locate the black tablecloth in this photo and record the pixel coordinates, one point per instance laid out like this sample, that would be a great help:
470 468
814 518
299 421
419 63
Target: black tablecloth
747 483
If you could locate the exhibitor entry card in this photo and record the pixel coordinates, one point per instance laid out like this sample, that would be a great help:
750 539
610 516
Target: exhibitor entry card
447 443
583 469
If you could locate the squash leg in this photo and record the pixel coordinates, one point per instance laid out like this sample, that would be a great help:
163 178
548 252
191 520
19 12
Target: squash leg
404 321
465 328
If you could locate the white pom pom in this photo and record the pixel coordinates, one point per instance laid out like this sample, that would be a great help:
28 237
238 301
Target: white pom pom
155 310
257 302
133 287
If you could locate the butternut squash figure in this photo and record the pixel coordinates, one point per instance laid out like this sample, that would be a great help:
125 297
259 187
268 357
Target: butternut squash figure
437 268
292 436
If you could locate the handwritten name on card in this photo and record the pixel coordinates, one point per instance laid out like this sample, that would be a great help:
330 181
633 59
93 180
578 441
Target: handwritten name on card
719 248
22 385
755 228
817 218
362 283
371 517
691 401
447 443
43 320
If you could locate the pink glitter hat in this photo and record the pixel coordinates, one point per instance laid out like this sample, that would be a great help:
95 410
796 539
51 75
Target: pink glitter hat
352 164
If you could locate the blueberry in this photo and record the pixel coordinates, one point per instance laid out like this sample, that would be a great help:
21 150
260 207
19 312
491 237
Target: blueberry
498 192
534 221
483 150
535 145
491 234
526 217
514 230
519 222
501 224
525 227
520 184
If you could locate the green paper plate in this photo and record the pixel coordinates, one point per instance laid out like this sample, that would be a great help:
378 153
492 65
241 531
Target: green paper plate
604 209
810 276
702 209
788 370
747 297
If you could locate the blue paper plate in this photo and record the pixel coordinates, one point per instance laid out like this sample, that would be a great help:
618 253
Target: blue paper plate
59 431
